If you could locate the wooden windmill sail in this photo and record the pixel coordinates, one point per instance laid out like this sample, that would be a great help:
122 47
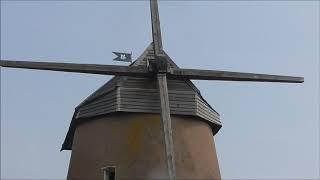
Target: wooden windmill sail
167 89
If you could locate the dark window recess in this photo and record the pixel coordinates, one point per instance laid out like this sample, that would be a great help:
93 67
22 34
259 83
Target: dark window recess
109 173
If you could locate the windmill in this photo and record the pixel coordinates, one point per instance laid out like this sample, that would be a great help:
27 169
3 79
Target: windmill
154 66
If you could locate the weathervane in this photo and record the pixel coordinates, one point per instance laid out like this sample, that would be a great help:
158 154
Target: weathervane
124 57
159 69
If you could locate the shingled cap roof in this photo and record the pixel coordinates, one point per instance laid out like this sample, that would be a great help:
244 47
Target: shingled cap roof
131 94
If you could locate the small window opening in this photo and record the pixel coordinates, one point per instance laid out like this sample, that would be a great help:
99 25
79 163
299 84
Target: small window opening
109 173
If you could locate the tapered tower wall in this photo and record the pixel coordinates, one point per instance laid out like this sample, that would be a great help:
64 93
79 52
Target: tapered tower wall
134 144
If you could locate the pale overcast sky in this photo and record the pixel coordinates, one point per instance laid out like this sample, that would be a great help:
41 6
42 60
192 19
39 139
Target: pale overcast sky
270 130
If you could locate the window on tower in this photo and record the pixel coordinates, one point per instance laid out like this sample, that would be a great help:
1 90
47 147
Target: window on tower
109 173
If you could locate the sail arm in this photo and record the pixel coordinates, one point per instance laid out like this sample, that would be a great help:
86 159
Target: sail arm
138 71
156 31
233 76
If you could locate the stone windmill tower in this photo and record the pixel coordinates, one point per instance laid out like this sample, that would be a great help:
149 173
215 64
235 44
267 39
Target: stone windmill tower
147 122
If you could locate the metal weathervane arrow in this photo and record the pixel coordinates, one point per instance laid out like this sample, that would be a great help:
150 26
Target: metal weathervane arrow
158 69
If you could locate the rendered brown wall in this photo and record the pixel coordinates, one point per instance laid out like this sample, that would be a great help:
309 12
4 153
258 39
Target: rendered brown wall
133 143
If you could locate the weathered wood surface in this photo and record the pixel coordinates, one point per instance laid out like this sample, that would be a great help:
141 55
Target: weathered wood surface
203 111
148 54
166 124
138 71
156 32
103 105
129 94
232 76
142 71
